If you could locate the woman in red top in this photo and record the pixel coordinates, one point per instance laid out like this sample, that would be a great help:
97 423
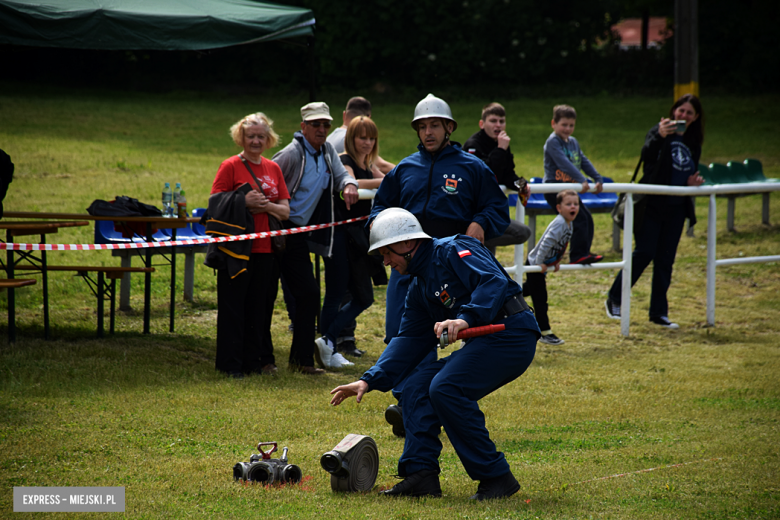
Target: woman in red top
245 304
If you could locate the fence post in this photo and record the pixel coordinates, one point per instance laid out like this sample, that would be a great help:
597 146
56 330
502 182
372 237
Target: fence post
615 236
519 249
765 208
124 285
711 247
628 234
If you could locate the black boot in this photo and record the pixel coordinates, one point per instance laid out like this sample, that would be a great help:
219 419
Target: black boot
424 483
500 487
394 416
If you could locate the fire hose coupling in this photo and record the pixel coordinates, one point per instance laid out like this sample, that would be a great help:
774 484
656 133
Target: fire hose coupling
353 464
471 332
263 469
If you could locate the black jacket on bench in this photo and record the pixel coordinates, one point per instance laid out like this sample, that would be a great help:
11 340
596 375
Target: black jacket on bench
227 215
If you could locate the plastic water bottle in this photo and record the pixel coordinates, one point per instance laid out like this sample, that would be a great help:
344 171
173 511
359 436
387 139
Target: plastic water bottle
182 205
176 194
167 199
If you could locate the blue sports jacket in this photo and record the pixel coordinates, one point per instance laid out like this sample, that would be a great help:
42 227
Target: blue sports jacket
452 278
445 193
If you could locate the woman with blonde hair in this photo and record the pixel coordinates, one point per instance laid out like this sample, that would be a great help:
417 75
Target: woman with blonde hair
245 302
361 147
349 270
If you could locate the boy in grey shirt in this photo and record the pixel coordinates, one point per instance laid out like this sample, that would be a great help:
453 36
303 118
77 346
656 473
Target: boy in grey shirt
548 252
563 160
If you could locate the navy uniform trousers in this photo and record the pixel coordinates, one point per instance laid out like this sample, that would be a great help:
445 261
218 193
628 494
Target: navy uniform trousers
445 392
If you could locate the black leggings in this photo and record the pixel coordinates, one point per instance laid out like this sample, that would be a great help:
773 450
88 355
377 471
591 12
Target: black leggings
536 287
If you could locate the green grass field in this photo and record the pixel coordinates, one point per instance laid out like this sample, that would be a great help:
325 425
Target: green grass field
699 406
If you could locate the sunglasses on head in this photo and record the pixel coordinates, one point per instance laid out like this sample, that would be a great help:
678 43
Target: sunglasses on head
317 124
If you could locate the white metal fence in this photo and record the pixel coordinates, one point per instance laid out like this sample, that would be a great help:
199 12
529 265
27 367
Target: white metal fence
712 191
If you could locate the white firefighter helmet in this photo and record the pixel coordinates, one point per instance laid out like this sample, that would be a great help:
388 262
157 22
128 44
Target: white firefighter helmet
394 225
431 106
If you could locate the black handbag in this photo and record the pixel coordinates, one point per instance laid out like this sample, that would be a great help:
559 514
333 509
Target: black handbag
278 242
640 202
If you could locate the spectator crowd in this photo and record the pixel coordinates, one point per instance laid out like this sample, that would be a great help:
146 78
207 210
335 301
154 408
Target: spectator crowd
451 190
436 219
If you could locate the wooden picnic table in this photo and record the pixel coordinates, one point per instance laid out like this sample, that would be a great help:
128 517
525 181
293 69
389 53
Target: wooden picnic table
150 222
27 228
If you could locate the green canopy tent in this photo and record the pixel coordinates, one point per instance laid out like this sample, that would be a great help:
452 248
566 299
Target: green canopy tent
152 24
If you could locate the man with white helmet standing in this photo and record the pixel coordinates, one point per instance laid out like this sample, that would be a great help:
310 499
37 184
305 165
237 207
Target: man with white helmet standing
449 191
456 284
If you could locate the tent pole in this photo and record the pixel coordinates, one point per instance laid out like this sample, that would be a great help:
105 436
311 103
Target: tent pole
312 75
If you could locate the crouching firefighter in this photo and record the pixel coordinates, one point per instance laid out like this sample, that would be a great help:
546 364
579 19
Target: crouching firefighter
456 284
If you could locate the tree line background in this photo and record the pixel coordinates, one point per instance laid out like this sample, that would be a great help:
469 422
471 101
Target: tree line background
519 47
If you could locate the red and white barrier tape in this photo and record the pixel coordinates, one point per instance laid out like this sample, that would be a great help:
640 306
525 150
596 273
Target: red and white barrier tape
187 242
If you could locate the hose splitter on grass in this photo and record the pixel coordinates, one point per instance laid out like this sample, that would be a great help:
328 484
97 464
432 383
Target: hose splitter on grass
265 470
353 464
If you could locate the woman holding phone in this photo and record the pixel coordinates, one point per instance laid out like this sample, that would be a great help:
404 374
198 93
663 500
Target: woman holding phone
245 303
671 156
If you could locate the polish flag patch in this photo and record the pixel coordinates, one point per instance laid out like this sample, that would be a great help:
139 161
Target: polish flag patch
464 252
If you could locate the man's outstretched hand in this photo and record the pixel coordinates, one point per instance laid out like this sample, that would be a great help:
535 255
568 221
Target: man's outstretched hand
340 393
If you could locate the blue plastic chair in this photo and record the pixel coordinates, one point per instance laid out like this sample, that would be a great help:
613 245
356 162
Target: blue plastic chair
185 233
591 200
536 200
106 234
606 200
198 229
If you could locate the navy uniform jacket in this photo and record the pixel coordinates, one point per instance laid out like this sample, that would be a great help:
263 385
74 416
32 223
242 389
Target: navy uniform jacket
453 278
445 193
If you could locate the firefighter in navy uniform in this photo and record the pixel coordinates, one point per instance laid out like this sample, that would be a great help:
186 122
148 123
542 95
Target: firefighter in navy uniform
456 284
449 191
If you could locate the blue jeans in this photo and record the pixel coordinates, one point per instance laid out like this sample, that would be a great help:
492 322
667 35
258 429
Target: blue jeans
656 241
295 266
340 275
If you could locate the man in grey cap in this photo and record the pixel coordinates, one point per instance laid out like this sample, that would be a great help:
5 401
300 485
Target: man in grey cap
314 175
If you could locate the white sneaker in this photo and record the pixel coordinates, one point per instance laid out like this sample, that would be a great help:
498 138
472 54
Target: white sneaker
665 322
551 339
337 361
323 352
613 309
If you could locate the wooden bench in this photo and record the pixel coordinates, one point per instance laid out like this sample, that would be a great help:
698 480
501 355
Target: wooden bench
12 284
15 283
99 287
